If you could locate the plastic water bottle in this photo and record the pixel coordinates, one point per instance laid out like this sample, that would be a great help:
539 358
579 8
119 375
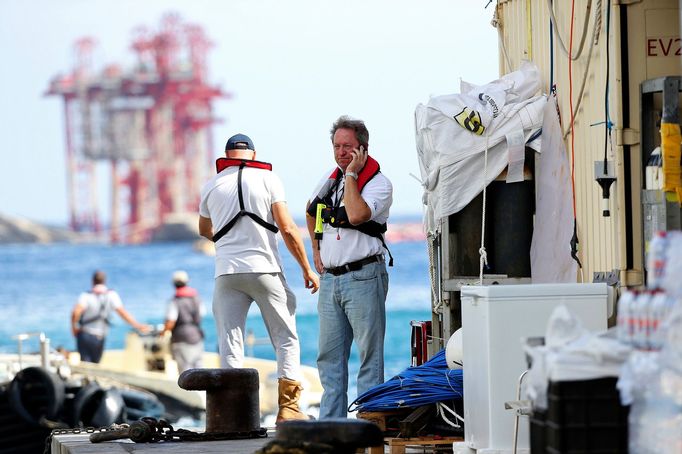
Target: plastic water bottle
656 260
670 277
640 336
655 421
658 309
623 320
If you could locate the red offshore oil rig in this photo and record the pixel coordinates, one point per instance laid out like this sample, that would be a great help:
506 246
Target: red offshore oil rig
150 126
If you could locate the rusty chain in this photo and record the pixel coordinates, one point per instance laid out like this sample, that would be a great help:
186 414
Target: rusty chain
151 430
79 430
161 430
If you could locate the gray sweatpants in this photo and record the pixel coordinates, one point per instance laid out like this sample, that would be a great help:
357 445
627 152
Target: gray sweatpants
232 297
188 356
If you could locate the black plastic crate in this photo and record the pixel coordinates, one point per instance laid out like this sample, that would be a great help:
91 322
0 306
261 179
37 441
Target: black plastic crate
537 423
582 417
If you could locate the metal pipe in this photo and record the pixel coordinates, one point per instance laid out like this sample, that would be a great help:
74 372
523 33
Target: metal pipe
516 418
44 351
20 352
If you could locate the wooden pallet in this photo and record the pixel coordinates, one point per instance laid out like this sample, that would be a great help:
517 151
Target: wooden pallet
398 445
380 418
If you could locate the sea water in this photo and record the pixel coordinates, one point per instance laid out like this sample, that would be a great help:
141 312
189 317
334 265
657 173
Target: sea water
39 285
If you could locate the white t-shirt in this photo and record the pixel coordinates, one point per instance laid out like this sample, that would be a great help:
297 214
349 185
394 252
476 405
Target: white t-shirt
247 247
97 306
340 246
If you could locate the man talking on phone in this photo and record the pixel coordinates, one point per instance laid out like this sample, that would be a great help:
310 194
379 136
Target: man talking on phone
346 219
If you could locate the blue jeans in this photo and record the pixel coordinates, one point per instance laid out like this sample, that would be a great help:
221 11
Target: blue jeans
351 306
90 347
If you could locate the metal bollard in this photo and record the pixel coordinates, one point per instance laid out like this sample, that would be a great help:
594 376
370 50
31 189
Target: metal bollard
232 402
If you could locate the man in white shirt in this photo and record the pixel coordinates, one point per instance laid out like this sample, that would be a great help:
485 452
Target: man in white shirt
346 220
90 318
242 208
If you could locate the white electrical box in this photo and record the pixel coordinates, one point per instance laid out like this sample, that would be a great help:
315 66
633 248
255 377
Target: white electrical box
495 320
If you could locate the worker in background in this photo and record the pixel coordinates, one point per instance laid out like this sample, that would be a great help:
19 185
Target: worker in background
183 321
241 210
346 220
90 318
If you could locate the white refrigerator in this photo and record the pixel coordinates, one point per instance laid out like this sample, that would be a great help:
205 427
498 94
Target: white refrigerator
495 320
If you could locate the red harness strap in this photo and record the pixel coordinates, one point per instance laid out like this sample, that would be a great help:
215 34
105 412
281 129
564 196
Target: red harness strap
368 172
185 292
223 163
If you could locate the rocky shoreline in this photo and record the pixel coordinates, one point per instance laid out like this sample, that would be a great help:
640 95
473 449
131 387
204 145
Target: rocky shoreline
14 230
22 231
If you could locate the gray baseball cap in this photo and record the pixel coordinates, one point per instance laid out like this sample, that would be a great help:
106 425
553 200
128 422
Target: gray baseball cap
239 142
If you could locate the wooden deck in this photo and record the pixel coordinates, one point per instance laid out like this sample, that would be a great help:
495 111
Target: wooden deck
80 444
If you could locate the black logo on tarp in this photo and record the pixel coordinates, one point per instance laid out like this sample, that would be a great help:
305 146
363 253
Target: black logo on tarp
470 120
493 105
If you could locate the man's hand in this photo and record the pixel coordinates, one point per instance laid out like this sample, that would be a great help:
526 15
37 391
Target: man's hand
167 327
311 280
318 261
75 317
144 329
358 161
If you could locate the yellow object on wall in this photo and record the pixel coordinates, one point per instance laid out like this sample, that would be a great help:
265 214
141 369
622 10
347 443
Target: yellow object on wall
670 152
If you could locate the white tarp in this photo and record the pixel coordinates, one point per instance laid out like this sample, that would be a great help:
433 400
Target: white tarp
451 157
550 250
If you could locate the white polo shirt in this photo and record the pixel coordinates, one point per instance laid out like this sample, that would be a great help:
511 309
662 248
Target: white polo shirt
340 246
247 247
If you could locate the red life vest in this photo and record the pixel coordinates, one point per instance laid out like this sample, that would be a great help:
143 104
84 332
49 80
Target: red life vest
339 217
185 292
368 172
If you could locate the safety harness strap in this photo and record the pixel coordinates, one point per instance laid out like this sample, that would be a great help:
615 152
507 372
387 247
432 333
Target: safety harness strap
340 218
103 313
242 212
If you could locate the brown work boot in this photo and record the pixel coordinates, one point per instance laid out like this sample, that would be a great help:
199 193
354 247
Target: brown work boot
289 393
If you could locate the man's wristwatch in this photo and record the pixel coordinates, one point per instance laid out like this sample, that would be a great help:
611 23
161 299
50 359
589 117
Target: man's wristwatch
352 175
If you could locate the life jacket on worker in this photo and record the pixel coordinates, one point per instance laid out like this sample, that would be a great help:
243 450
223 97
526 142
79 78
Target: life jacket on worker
188 324
336 215
101 313
222 164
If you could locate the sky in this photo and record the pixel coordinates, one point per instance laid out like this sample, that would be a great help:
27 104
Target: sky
292 67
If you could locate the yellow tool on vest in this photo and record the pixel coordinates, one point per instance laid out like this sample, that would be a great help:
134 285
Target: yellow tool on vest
319 227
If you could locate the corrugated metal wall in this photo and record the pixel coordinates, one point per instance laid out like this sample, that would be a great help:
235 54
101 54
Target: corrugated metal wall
524 26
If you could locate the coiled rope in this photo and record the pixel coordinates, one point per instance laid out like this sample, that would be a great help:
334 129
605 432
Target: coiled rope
416 386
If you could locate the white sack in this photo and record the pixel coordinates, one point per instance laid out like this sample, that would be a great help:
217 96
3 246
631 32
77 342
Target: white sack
451 158
571 353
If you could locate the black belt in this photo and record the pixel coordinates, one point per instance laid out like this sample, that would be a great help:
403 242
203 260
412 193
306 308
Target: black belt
353 266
